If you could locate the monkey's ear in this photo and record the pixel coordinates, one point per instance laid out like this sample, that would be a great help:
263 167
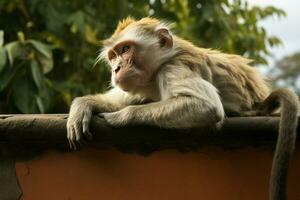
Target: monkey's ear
165 38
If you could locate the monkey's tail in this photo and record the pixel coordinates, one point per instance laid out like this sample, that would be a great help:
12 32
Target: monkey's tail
289 103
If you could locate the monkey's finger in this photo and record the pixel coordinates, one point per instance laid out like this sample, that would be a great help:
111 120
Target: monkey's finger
101 115
68 131
77 132
73 138
72 145
85 126
70 136
79 137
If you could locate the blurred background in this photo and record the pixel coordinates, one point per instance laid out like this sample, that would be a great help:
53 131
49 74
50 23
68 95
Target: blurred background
48 48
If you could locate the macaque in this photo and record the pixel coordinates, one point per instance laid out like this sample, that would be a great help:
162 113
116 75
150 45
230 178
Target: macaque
163 80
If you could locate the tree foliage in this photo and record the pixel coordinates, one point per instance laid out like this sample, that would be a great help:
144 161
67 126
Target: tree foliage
287 72
48 48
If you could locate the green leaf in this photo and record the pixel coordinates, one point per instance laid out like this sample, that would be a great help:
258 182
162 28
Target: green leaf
44 55
45 63
36 74
41 48
2 58
6 75
90 35
42 100
24 95
14 50
21 37
40 104
77 21
1 38
45 97
274 41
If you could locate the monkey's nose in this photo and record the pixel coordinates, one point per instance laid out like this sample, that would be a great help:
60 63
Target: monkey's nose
117 69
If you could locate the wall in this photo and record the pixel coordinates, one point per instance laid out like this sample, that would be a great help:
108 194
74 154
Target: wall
211 174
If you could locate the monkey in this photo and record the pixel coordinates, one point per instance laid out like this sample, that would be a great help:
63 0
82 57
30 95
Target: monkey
163 80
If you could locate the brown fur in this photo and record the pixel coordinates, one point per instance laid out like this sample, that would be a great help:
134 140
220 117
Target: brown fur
241 87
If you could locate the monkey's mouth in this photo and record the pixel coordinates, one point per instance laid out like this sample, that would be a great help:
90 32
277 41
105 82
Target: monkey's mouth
125 79
128 82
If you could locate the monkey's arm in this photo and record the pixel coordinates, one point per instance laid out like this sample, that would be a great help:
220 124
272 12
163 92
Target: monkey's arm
186 105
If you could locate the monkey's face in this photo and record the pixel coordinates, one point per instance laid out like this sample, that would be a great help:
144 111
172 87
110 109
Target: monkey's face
136 56
126 70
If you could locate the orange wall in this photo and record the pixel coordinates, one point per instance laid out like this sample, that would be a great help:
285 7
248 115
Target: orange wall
212 174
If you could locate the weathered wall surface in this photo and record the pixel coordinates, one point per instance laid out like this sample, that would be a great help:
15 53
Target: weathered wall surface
214 172
211 174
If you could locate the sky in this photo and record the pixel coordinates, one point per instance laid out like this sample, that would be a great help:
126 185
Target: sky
286 28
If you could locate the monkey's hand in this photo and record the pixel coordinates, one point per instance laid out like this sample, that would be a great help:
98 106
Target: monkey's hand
78 123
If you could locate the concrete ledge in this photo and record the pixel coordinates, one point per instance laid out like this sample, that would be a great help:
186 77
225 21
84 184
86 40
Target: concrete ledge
46 131
49 131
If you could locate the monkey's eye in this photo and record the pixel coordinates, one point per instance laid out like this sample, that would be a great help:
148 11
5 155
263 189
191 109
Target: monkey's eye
111 55
125 48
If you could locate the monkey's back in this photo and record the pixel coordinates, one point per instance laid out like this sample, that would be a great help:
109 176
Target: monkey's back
241 87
